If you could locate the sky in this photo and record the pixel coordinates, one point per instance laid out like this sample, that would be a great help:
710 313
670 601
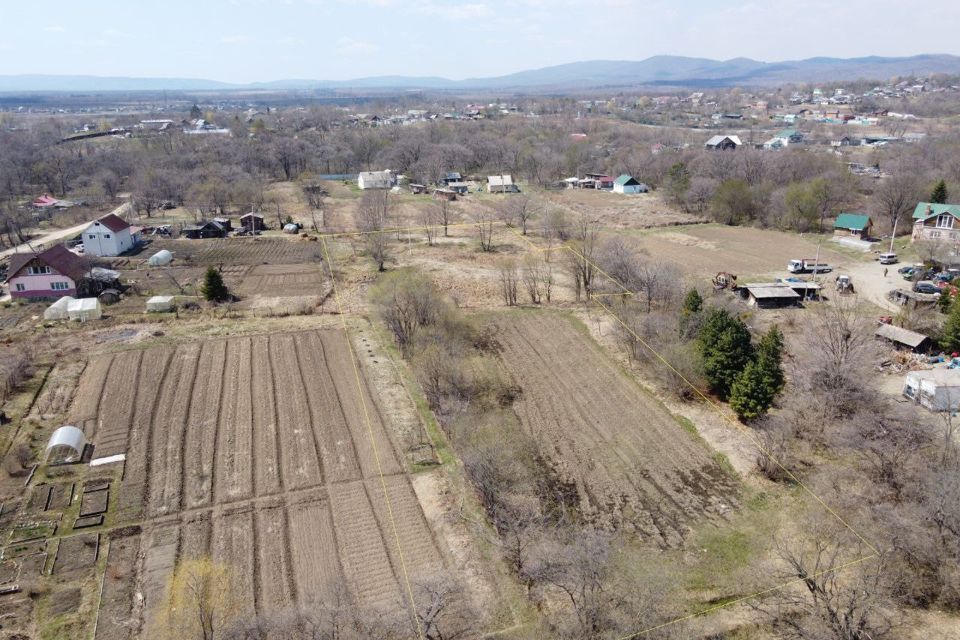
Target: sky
261 40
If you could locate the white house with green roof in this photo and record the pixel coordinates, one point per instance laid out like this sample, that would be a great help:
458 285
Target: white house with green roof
789 136
855 224
936 222
629 184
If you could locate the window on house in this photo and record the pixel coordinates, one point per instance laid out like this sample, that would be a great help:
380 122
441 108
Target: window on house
59 286
21 286
39 270
945 221
107 236
934 234
92 236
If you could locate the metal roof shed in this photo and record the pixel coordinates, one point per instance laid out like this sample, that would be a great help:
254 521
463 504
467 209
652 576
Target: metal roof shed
771 296
901 336
66 445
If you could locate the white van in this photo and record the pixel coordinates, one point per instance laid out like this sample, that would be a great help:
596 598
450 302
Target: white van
888 258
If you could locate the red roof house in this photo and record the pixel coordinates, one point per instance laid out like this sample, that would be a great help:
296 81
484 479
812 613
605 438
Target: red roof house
49 274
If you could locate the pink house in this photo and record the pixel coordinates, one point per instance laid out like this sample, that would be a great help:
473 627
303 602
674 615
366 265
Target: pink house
49 274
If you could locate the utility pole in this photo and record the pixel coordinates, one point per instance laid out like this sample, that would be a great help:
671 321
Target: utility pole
893 235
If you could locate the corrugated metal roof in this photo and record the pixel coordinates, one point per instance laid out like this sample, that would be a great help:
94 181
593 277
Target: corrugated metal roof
926 210
772 292
900 335
858 221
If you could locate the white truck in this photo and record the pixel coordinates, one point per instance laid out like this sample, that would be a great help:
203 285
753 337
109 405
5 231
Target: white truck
808 265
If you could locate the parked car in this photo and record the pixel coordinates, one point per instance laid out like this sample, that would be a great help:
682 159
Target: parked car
888 258
903 270
925 286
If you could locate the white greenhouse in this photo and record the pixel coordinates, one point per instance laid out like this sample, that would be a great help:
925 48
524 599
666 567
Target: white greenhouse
160 258
66 445
160 303
85 309
58 310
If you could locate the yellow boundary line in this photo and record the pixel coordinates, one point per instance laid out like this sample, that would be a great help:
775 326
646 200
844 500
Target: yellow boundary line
592 297
373 444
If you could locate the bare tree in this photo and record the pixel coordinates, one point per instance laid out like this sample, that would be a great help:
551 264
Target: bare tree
428 218
441 607
896 195
373 212
838 349
582 255
486 223
518 210
407 302
445 212
538 278
833 600
509 280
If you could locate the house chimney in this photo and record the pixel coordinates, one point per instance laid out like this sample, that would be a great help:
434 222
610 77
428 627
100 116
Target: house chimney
929 209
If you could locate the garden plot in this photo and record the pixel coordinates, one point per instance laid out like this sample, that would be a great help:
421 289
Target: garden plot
632 463
263 453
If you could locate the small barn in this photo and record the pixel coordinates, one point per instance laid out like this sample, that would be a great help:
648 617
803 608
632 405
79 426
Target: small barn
204 229
417 189
769 296
935 389
903 338
445 194
252 222
460 188
723 143
502 184
67 444
628 184
858 225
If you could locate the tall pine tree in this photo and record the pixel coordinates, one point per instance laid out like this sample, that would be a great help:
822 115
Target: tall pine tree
690 315
950 336
724 343
213 287
939 194
755 388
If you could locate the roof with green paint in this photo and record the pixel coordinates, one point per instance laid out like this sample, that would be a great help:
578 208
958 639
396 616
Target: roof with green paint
625 180
922 212
857 221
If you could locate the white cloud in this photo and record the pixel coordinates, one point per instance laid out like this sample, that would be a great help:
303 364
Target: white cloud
456 11
355 48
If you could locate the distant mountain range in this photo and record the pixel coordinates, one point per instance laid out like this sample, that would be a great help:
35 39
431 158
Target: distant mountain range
658 70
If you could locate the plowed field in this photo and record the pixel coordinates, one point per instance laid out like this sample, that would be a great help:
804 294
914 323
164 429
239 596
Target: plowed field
257 452
633 464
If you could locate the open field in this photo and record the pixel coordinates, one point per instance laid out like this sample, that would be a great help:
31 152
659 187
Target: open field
255 451
621 211
632 463
703 250
283 280
238 251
